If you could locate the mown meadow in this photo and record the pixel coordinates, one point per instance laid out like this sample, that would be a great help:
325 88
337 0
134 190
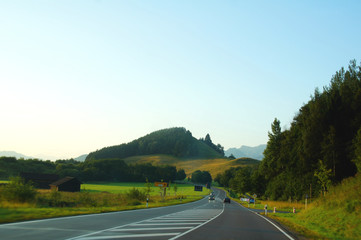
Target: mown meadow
93 198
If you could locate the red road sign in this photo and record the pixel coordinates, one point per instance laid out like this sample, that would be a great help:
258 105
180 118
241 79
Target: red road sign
160 184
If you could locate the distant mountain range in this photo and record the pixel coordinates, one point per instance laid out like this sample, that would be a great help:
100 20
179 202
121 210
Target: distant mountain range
19 155
81 158
13 154
248 152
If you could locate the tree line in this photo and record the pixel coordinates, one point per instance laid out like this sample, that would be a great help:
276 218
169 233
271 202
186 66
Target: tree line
321 147
97 170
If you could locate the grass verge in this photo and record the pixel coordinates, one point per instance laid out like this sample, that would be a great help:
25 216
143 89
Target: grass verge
24 213
285 219
101 198
335 216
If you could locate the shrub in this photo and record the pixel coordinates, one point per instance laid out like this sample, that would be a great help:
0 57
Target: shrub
351 205
86 200
57 200
136 194
19 191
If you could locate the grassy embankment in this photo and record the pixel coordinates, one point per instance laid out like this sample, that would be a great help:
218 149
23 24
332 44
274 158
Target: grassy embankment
94 198
335 216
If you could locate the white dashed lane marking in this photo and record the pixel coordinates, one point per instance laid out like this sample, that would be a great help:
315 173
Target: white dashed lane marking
150 229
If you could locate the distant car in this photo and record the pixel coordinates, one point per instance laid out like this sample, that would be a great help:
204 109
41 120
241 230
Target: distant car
211 197
251 200
227 200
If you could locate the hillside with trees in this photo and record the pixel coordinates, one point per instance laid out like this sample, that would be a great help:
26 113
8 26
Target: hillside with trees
177 142
168 154
218 148
321 147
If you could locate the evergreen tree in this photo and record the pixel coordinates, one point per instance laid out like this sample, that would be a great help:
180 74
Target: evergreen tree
269 165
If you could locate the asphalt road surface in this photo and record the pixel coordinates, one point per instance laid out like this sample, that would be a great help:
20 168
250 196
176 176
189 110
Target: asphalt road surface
203 219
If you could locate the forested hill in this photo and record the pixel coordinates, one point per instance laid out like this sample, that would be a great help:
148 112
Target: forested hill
177 142
320 148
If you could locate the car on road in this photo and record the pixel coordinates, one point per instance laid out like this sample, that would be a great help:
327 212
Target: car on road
251 200
227 200
211 197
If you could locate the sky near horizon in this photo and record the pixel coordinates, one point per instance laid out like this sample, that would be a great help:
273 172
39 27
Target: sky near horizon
77 76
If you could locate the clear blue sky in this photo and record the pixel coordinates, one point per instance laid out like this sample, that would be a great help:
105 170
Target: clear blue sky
77 76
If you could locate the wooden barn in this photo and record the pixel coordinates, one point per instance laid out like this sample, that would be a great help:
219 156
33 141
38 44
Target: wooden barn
39 180
67 184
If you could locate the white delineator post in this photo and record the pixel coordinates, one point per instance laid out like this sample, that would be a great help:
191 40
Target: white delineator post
265 209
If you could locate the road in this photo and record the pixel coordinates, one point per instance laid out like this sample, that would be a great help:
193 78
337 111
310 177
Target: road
199 220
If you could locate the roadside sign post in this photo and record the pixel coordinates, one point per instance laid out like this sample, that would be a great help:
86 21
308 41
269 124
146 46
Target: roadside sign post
163 188
306 201
254 203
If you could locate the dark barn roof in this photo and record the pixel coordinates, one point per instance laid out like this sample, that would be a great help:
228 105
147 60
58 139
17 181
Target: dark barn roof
67 184
64 180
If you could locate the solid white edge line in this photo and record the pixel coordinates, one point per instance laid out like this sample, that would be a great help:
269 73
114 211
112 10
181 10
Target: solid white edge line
280 229
180 235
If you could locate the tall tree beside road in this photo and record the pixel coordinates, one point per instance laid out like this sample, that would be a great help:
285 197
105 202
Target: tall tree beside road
241 182
323 174
201 177
272 153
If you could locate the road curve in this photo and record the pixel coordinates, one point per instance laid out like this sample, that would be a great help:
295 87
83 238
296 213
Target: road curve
237 222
